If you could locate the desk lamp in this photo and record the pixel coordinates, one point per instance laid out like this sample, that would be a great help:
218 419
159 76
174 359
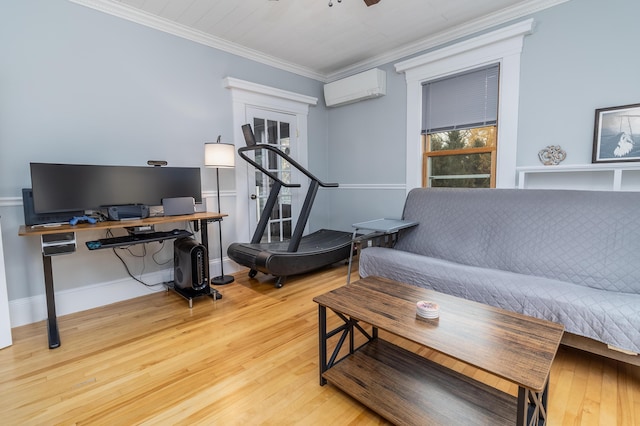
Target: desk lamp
219 155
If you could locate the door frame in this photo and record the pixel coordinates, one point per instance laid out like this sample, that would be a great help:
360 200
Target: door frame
5 320
247 94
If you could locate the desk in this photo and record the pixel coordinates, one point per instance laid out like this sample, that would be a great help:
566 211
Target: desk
26 231
381 228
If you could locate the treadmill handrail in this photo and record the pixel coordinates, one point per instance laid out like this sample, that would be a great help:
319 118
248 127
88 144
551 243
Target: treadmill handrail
291 161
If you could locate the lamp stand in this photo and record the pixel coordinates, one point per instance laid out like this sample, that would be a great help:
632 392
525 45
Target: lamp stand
222 279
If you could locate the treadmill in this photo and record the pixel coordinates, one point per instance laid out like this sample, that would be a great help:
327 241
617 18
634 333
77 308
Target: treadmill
300 254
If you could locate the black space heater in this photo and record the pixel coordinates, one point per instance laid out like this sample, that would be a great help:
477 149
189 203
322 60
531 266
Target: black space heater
191 266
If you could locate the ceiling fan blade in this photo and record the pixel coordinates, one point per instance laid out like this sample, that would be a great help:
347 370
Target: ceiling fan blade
371 2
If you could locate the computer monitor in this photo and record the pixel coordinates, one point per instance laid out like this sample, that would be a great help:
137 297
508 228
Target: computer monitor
64 187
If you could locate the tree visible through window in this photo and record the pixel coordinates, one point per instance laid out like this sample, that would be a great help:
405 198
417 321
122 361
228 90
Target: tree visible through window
459 130
460 158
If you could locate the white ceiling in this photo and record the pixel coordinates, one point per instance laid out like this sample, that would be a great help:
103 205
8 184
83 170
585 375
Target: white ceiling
312 39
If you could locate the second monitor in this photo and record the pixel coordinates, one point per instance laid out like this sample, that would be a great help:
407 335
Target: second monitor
65 187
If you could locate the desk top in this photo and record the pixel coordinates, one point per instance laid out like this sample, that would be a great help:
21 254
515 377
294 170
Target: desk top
111 224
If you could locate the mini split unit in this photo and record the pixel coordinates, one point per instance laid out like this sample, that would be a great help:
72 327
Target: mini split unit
366 85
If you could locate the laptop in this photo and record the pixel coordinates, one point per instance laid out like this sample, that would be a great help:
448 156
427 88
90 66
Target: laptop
178 206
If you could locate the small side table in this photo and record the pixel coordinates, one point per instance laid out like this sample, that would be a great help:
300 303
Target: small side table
383 228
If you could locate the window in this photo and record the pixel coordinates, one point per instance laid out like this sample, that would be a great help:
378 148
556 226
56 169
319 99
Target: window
502 46
459 130
461 158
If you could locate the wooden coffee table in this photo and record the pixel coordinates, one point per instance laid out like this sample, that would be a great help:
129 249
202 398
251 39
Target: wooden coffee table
406 388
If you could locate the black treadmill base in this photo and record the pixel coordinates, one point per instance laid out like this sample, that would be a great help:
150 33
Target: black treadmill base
316 250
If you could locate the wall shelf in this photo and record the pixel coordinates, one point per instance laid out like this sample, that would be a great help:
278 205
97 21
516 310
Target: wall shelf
595 177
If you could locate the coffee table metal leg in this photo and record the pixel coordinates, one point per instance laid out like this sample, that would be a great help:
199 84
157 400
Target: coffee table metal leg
522 407
532 407
322 330
347 329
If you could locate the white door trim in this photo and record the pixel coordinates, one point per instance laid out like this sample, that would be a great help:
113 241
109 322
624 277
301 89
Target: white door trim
5 320
502 46
247 94
297 194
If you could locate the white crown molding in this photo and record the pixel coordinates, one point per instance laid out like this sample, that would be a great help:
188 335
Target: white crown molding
469 28
152 21
516 30
456 33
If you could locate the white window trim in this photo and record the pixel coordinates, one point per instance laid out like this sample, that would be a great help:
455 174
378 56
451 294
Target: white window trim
502 46
245 94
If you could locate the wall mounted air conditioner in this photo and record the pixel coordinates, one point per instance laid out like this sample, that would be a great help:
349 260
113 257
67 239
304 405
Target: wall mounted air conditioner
366 85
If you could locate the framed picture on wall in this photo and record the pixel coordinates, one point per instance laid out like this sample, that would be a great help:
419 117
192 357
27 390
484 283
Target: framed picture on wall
616 135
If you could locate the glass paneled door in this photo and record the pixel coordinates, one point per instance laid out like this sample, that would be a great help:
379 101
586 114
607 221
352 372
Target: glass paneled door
278 130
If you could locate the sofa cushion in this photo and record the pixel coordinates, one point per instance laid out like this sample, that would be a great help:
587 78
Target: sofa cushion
606 316
591 238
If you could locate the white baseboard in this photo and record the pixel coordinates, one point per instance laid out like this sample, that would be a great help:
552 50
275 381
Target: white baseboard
33 309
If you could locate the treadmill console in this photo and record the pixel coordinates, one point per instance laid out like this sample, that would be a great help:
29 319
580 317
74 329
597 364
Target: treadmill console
249 137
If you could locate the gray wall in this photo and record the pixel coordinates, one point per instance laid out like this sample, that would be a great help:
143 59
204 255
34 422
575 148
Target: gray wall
81 86
77 85
581 56
367 149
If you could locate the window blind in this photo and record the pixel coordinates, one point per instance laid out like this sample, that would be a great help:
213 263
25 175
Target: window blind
461 101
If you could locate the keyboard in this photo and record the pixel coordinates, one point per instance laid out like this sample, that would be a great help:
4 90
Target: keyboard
128 240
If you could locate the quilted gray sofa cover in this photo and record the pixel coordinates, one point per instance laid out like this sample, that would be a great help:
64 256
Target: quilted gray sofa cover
571 257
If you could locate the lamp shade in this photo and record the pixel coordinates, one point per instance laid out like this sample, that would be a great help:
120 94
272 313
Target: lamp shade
220 155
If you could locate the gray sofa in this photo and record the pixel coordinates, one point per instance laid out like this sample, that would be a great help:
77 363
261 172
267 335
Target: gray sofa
571 257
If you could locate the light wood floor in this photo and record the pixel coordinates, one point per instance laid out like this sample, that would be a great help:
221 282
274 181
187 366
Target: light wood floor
250 358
